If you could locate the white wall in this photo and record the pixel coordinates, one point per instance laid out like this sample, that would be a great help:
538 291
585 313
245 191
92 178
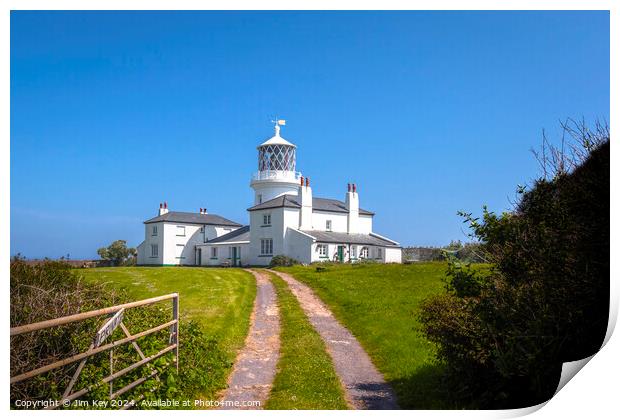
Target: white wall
173 249
299 246
281 219
393 255
141 254
144 250
364 223
272 189
224 255
339 221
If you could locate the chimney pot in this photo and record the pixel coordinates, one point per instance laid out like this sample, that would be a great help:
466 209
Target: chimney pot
302 180
349 187
161 205
354 188
165 204
307 182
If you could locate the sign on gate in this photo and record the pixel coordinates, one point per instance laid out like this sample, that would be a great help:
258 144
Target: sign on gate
109 327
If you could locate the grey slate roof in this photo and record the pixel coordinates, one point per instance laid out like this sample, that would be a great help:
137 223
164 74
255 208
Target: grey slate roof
194 218
319 204
349 238
237 235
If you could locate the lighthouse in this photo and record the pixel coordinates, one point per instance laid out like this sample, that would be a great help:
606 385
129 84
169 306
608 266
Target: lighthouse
276 173
287 218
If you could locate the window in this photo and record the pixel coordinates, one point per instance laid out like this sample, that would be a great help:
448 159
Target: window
214 252
379 252
154 230
180 230
353 251
322 250
154 250
266 246
328 225
267 219
202 229
260 198
364 252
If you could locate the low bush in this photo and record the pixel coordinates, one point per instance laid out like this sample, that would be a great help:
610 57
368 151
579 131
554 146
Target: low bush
283 261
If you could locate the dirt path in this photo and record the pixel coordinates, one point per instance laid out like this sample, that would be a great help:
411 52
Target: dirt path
364 386
255 368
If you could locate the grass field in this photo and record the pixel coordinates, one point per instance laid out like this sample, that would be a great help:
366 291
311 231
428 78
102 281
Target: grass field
379 304
221 300
305 378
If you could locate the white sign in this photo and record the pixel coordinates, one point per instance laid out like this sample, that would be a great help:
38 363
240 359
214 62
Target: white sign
109 327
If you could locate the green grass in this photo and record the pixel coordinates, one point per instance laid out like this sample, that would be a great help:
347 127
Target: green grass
305 378
220 299
379 304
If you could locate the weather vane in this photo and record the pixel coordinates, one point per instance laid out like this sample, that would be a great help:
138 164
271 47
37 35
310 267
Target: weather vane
278 123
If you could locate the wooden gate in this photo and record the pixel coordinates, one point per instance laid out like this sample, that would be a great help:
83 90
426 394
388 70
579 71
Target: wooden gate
97 346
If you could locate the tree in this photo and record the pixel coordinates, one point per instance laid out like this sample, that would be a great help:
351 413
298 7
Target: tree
117 252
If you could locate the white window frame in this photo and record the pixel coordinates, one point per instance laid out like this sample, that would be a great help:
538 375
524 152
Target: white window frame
260 199
214 252
154 230
322 250
266 219
379 253
328 225
266 246
154 250
181 229
354 251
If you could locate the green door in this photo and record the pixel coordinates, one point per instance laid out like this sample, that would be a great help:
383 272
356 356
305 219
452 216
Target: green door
340 253
235 257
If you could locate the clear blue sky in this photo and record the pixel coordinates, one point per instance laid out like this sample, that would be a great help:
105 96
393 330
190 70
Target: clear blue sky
428 112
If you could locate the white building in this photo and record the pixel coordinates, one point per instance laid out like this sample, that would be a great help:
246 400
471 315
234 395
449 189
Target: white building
285 220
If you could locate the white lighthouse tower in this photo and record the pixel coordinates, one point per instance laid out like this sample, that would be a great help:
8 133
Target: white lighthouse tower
276 174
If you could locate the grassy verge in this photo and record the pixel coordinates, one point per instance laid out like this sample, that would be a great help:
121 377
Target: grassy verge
379 304
220 301
305 377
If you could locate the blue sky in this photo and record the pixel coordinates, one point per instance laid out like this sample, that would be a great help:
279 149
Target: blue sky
427 112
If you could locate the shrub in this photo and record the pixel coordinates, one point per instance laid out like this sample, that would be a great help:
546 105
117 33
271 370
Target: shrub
283 261
503 334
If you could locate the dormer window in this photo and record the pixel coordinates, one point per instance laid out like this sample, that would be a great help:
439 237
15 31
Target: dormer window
267 219
328 225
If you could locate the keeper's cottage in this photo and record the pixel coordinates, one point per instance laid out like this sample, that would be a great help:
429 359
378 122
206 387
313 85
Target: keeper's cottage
286 219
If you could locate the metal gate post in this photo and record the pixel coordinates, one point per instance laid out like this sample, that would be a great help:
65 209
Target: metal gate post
175 315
